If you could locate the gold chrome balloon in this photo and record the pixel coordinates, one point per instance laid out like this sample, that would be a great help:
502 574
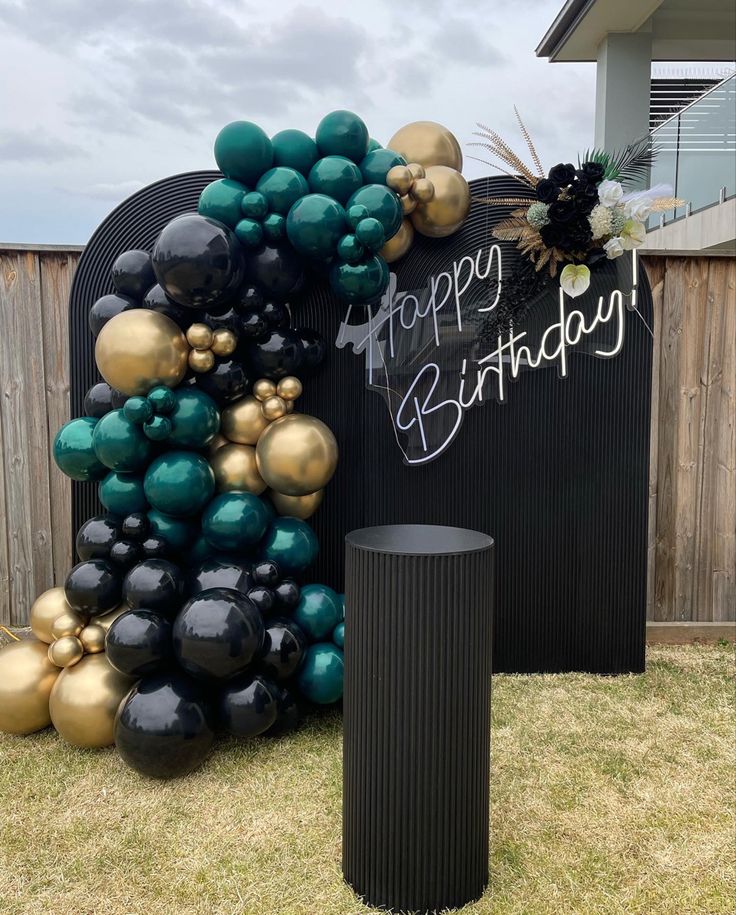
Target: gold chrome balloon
416 170
45 609
84 701
199 336
297 454
289 388
428 144
422 190
201 360
235 469
408 204
26 679
66 651
397 246
67 623
109 618
297 506
139 349
224 342
274 407
217 442
448 208
92 638
399 178
263 389
243 422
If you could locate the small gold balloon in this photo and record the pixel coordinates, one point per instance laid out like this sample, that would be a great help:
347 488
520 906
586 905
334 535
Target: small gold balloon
427 143
399 179
264 388
26 679
84 701
92 638
139 349
67 623
274 407
199 336
448 208
243 422
422 190
66 651
297 454
219 441
224 342
235 469
289 406
109 618
397 246
408 204
289 388
297 506
417 170
201 360
46 608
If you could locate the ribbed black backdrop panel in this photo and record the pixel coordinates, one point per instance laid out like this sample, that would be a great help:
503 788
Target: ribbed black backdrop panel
558 475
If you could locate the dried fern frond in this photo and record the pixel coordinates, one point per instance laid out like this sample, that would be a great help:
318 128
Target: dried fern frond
507 201
532 150
499 147
512 229
660 204
520 178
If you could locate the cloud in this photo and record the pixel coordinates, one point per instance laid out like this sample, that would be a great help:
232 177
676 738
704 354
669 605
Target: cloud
107 191
33 147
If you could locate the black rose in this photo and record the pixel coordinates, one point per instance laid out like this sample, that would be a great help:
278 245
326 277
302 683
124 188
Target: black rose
562 174
586 196
594 256
547 191
579 233
552 234
562 211
591 171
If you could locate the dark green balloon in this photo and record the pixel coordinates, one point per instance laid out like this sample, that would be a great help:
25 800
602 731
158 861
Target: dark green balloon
342 133
221 200
200 550
294 149
382 204
179 533
122 493
315 225
349 249
254 205
320 677
369 232
234 521
364 282
121 444
179 483
162 399
274 227
157 428
195 419
291 544
338 635
249 232
318 612
74 451
373 144
335 176
138 409
243 152
282 187
376 164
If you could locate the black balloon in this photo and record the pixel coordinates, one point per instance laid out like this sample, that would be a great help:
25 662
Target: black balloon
246 707
253 325
249 298
139 643
284 647
287 718
221 573
125 553
217 634
154 584
197 261
314 348
165 726
118 399
286 594
93 587
262 598
157 300
226 382
135 526
279 354
276 270
132 273
266 572
96 537
107 307
231 319
98 400
276 315
155 547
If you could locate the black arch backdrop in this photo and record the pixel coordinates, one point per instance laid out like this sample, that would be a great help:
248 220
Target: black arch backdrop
557 474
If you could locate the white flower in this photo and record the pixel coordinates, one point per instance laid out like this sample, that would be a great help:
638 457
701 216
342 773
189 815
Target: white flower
613 248
638 208
575 279
609 193
633 234
600 221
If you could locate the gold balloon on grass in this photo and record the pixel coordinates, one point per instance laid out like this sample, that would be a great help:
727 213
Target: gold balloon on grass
84 701
26 679
397 246
139 349
66 651
46 608
297 506
235 469
448 208
67 623
427 143
244 421
297 454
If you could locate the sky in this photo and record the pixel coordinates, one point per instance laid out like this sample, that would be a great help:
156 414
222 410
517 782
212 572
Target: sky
101 97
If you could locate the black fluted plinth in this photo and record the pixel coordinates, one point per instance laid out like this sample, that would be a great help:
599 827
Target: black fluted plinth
416 755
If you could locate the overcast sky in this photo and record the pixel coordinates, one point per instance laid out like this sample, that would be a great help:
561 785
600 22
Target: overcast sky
100 97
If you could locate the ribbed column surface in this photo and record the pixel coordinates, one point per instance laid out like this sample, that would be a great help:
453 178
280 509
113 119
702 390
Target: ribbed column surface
416 757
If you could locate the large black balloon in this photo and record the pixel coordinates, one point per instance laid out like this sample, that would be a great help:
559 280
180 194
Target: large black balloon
283 649
279 354
157 300
221 573
246 707
226 382
217 634
314 348
276 270
106 308
93 587
132 273
165 726
138 643
98 400
154 584
287 718
197 261
96 536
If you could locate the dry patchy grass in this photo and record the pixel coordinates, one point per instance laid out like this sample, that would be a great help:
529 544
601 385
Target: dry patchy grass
609 795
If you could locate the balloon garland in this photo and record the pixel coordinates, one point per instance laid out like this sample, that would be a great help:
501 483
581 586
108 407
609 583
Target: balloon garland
188 610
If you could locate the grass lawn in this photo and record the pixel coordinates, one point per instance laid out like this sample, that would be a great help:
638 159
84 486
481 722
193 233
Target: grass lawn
609 795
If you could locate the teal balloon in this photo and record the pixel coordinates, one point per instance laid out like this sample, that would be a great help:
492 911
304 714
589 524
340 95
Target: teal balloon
369 232
122 493
162 399
274 227
373 144
249 232
121 444
221 200
74 451
291 543
342 133
234 521
138 409
377 163
179 483
322 672
356 213
254 205
179 533
157 428
382 204
195 419
338 635
364 282
282 187
335 176
243 152
349 249
294 149
315 225
200 550
318 612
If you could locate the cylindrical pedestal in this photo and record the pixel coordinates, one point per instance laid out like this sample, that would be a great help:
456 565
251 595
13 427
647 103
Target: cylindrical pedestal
416 754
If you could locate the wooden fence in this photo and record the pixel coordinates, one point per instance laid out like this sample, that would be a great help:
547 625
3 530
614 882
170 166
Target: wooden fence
692 539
